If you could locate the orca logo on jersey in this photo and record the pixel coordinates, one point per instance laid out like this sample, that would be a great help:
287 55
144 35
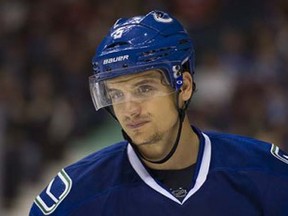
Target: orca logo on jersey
55 193
280 155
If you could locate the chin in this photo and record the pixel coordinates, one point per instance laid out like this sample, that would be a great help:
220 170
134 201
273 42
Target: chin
137 136
143 136
145 141
138 140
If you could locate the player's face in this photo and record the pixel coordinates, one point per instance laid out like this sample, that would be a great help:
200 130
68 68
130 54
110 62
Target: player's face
148 112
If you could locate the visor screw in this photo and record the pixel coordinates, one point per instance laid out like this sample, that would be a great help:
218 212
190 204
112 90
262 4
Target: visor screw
176 71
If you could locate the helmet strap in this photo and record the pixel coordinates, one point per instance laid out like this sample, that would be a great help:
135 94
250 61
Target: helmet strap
181 115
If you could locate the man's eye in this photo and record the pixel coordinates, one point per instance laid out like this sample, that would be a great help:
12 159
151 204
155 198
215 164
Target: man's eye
116 95
145 89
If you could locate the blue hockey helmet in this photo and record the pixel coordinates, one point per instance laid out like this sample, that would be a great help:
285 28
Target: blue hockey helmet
156 41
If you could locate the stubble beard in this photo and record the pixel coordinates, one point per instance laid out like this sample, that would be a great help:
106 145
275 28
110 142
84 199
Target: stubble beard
149 139
152 139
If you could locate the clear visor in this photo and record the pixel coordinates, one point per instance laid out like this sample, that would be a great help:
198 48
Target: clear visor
137 87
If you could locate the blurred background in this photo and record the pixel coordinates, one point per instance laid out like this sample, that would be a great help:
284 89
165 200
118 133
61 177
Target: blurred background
47 119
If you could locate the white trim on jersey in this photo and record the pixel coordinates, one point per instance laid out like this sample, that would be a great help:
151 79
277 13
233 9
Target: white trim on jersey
148 179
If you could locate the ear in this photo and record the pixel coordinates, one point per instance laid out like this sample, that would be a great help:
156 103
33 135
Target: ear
187 87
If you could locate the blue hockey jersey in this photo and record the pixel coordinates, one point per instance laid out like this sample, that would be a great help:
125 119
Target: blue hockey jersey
235 176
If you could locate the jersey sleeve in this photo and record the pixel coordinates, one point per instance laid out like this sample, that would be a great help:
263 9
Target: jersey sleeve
275 192
53 196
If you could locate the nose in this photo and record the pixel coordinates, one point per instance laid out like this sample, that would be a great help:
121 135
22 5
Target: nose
132 108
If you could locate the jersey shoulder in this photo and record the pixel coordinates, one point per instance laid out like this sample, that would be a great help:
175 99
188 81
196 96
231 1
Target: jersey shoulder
254 167
95 159
245 153
87 177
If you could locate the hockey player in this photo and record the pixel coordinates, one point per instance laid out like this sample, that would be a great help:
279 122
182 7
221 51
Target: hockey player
143 76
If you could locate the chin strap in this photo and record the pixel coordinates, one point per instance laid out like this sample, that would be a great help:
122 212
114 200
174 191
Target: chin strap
181 114
175 145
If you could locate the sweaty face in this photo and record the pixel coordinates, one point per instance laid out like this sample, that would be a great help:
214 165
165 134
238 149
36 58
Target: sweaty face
145 107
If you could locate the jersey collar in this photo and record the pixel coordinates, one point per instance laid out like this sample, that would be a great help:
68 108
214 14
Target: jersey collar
201 172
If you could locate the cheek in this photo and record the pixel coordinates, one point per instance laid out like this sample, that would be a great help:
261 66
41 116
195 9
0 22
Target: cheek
167 116
118 114
165 112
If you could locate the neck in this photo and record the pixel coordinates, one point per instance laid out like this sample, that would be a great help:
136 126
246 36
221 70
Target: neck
186 152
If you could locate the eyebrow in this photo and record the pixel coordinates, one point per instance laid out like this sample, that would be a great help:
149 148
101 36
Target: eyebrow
145 76
145 81
142 82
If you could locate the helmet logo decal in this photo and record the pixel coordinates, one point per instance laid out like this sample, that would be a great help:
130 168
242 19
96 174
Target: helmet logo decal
115 59
118 33
162 17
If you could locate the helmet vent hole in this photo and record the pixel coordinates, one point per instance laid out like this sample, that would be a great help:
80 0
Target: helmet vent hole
116 45
183 41
148 52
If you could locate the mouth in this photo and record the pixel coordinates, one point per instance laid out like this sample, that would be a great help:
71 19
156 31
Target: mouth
136 125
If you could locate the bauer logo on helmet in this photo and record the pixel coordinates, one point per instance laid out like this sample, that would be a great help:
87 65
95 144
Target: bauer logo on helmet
115 59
